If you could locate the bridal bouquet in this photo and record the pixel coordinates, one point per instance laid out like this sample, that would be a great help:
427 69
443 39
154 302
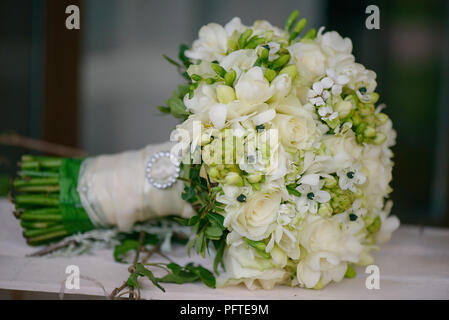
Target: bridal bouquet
285 154
281 164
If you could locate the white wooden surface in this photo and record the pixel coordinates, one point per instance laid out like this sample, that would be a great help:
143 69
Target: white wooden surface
413 265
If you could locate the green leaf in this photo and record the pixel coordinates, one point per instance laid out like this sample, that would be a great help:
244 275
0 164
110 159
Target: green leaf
199 244
171 61
163 109
219 248
141 270
291 188
121 249
181 55
133 280
177 107
216 218
178 275
213 232
205 275
260 247
187 222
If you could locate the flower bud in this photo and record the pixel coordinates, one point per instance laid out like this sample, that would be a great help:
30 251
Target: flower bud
325 210
291 70
343 108
279 256
374 97
382 118
229 77
380 138
270 74
369 132
225 94
281 61
330 182
213 173
254 177
205 139
268 35
263 53
244 37
234 179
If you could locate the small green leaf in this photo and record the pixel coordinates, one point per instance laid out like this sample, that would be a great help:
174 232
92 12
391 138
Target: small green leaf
173 62
291 188
187 222
219 251
205 275
163 109
121 249
177 107
141 270
216 218
213 232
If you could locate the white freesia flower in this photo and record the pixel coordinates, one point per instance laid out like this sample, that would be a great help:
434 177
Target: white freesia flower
202 100
332 43
211 45
217 115
281 86
252 87
239 61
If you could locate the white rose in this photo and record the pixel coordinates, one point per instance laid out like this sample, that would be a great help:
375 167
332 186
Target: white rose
309 59
295 132
332 43
325 235
243 264
211 44
255 219
252 87
328 248
343 152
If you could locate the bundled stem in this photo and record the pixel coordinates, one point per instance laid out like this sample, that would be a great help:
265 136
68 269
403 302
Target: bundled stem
36 198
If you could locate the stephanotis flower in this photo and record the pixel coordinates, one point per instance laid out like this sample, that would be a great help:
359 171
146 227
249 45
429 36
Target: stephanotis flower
350 177
311 193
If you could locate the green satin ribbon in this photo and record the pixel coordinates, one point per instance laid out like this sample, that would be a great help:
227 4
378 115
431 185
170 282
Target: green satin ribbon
74 217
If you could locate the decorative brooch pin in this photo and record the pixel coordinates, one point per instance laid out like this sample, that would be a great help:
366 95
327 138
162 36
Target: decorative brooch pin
165 182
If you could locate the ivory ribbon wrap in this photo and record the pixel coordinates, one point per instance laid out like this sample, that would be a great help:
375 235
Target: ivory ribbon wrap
114 189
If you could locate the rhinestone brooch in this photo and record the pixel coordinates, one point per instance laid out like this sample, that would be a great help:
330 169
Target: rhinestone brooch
168 182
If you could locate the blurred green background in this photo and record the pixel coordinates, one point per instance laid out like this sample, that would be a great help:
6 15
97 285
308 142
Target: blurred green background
96 88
